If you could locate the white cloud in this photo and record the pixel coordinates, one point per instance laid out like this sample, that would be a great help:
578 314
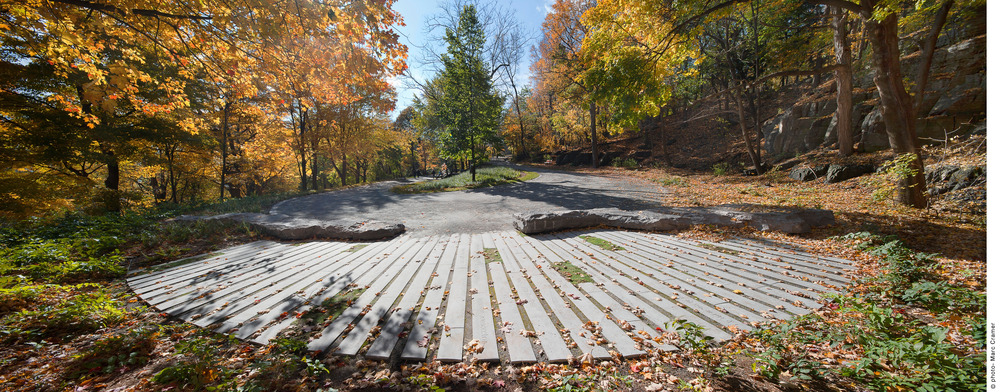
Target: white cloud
546 7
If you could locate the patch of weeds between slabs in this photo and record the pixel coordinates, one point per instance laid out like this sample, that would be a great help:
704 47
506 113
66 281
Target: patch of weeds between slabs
356 248
331 307
491 254
602 243
574 274
720 249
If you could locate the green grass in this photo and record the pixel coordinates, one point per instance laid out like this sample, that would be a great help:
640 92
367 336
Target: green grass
719 249
601 243
485 177
574 274
332 307
491 254
356 248
677 181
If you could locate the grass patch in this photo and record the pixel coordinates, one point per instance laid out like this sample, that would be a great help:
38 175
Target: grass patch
491 254
601 243
485 177
677 181
719 249
331 307
574 274
356 248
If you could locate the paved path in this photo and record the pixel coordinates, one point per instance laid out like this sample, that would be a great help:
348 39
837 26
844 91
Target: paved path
478 210
492 295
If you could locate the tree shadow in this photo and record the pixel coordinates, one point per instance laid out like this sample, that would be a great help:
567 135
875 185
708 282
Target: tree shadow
922 235
569 193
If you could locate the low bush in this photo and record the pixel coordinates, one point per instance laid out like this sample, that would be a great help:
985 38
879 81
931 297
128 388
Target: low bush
627 163
120 352
74 314
902 328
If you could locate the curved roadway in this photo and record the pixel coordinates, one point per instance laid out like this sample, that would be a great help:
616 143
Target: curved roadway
478 210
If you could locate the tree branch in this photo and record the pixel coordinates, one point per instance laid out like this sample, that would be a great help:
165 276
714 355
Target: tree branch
138 11
844 4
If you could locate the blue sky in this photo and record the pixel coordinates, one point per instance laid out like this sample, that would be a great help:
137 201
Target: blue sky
415 14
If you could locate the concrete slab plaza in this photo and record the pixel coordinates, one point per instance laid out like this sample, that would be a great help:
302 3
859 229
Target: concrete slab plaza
498 296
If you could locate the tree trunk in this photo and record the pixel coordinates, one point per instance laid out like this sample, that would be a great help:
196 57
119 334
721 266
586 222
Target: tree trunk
897 107
315 166
343 170
172 179
754 158
842 51
225 151
113 201
303 164
927 54
593 133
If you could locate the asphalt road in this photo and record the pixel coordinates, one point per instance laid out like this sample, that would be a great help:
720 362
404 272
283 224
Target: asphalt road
478 210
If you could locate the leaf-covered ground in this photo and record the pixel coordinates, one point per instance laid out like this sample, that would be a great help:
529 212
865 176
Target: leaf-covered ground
913 317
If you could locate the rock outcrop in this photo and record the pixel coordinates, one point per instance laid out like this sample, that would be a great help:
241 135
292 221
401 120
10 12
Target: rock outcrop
954 104
794 221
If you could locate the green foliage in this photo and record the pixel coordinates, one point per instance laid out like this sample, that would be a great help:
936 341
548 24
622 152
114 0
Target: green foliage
897 351
600 380
676 181
601 243
58 261
890 175
720 169
492 255
485 177
691 336
424 382
315 366
574 274
76 314
719 249
467 107
126 350
201 368
941 296
628 163
356 248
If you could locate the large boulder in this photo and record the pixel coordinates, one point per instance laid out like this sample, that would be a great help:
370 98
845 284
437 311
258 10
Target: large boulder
794 221
290 228
837 173
808 173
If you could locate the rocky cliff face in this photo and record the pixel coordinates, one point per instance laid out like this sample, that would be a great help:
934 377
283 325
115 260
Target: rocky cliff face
954 104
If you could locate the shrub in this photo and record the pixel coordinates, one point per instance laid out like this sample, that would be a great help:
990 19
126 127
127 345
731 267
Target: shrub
77 314
720 169
201 367
674 181
122 351
627 163
890 349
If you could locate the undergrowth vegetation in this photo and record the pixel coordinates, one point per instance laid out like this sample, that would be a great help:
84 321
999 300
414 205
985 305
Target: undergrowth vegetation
61 286
904 327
